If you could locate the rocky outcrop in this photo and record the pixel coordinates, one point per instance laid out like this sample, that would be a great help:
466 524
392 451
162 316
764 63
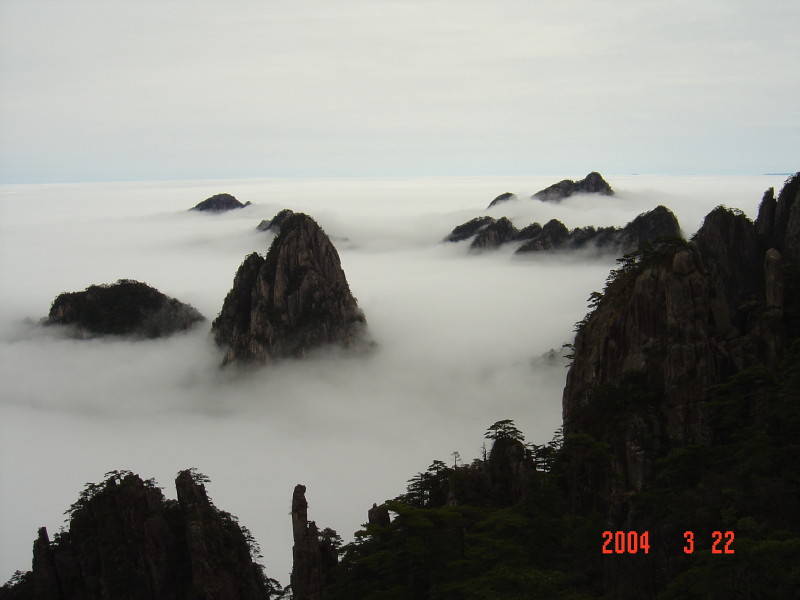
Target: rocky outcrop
127 307
125 541
495 234
219 203
673 321
295 299
378 516
502 198
313 557
469 229
274 224
553 236
593 183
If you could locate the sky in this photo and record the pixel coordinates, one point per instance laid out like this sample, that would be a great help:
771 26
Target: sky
108 90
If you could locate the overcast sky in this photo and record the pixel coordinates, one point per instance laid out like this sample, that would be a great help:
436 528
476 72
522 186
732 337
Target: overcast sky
107 90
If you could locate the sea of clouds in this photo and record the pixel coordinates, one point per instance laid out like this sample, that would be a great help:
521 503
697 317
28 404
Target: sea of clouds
459 341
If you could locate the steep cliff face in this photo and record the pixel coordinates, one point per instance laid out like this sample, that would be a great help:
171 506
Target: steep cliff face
126 307
125 541
674 321
295 299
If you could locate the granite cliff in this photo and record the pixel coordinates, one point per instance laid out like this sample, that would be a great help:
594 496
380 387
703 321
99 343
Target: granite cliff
291 301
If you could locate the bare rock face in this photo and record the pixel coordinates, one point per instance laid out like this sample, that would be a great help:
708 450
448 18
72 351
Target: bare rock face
219 203
502 198
379 516
673 321
126 307
314 558
274 224
125 541
295 299
593 183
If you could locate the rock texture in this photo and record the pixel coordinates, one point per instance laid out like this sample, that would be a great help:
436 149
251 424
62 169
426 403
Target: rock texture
593 183
295 299
274 224
126 542
314 558
127 308
219 203
502 198
673 321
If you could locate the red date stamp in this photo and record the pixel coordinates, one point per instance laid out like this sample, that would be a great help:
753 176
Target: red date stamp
634 542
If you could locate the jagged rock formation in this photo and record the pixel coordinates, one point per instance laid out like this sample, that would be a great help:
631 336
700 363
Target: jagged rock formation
295 299
468 229
593 183
274 224
675 321
495 234
125 541
487 232
314 557
219 203
502 198
126 307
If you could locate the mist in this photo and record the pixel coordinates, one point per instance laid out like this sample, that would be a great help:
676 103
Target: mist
459 341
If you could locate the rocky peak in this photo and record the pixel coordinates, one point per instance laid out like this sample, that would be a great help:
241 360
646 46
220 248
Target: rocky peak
219 203
126 307
593 183
495 234
468 229
314 558
502 198
295 299
553 236
274 224
378 516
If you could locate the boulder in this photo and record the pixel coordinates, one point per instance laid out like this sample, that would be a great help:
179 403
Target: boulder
293 300
219 203
127 307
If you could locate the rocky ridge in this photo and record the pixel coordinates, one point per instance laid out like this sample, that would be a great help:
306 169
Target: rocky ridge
291 301
219 203
127 307
488 232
